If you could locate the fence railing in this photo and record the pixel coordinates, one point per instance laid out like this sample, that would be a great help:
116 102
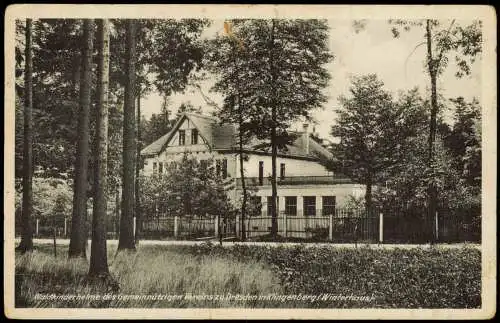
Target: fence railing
342 225
317 228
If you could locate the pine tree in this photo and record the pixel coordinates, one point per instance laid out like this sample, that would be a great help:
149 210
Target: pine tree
98 256
26 243
127 239
78 222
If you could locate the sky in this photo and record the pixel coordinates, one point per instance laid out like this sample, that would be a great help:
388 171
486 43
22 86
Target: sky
372 50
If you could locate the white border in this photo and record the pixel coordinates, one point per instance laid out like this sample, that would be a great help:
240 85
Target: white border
488 99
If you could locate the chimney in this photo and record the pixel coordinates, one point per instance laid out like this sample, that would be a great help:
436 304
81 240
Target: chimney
305 127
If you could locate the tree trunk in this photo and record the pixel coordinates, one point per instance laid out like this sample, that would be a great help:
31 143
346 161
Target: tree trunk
137 172
98 253
26 243
127 240
242 175
368 195
433 68
242 169
78 222
274 188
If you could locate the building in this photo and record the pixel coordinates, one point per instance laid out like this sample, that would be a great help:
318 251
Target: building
305 186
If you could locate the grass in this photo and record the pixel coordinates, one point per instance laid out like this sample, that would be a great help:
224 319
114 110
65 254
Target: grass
149 271
390 278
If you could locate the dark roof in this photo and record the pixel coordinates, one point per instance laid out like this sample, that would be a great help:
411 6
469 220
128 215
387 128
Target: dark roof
223 137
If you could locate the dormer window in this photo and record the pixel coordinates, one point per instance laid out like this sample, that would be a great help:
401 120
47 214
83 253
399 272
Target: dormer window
194 136
182 137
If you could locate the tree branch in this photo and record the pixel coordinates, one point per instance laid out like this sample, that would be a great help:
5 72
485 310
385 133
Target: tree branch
205 97
413 51
440 56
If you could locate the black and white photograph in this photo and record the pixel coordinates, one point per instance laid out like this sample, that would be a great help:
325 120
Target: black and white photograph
250 161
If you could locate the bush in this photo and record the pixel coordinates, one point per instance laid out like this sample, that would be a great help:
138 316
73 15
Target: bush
398 278
52 197
187 187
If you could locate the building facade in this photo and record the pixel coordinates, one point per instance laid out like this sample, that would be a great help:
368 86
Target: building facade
305 186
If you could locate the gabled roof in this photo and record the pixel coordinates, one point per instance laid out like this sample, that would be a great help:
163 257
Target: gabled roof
223 137
202 122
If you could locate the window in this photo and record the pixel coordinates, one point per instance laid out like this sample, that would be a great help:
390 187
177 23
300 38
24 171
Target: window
270 205
182 137
154 167
309 205
282 171
224 168
194 136
261 173
328 205
291 205
160 168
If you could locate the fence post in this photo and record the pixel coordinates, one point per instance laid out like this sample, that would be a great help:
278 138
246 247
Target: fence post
36 227
237 226
437 226
216 225
285 225
65 227
381 228
135 224
330 227
176 226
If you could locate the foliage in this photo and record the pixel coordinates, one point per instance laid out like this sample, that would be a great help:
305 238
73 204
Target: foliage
396 278
372 129
253 203
455 173
187 187
448 37
51 197
354 203
163 45
464 141
442 39
292 83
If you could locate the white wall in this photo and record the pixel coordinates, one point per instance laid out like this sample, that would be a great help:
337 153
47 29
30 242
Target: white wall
293 167
340 191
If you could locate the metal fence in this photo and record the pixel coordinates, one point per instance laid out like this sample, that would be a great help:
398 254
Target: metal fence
317 228
342 225
345 225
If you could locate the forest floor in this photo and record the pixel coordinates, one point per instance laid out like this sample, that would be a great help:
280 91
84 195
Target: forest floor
181 275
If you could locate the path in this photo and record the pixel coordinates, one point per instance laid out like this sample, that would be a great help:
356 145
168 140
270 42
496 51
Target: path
273 244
